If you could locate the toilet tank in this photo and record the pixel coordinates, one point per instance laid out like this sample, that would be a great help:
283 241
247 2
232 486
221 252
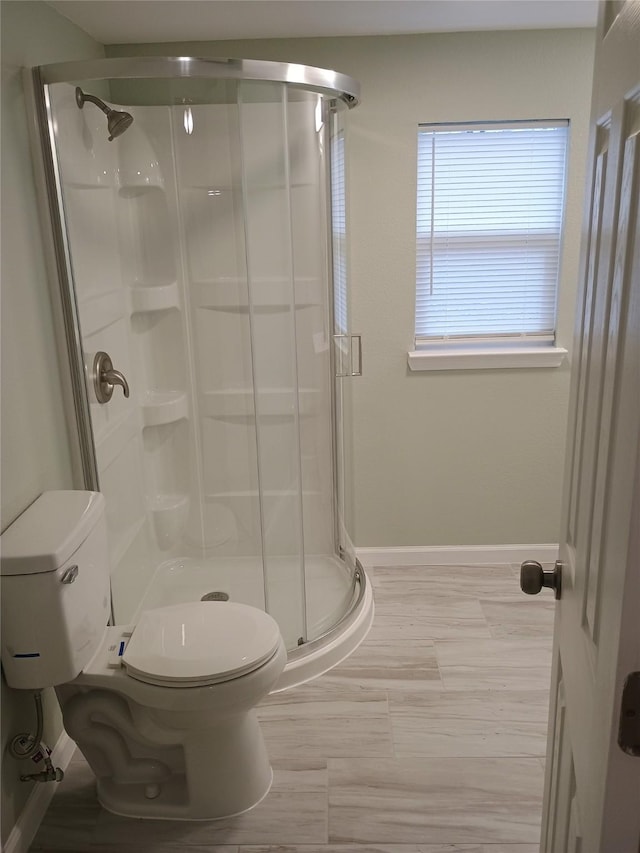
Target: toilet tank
55 601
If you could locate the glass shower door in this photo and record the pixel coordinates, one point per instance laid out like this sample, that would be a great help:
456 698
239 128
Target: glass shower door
270 277
283 144
201 263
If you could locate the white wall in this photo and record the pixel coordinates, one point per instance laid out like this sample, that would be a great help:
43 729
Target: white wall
453 458
35 446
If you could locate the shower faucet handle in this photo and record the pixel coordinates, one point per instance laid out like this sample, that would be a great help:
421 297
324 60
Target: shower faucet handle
114 377
105 378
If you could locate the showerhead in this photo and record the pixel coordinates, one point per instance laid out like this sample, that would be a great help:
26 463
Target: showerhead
117 121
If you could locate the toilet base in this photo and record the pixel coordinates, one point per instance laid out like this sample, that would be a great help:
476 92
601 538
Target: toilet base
151 763
138 802
169 753
226 772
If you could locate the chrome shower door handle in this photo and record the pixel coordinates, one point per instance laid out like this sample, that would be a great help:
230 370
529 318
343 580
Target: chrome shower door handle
356 367
348 355
105 378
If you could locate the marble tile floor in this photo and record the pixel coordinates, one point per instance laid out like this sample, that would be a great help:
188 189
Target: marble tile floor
428 739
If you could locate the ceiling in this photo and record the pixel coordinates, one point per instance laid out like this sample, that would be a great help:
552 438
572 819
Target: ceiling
130 21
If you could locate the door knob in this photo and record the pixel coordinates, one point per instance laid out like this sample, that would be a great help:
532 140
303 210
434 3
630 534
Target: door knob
533 577
105 378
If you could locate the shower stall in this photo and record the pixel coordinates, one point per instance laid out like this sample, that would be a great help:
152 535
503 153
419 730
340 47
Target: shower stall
200 237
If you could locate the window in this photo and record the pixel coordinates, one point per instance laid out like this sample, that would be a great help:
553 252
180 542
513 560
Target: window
339 232
489 221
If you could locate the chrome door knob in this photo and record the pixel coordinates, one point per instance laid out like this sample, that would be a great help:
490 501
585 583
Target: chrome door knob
533 577
105 378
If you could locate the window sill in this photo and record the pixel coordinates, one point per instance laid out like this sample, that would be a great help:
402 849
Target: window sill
485 357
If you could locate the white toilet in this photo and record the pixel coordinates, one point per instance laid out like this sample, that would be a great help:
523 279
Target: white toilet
163 710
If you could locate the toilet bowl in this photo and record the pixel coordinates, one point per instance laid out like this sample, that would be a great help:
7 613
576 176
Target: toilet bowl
163 710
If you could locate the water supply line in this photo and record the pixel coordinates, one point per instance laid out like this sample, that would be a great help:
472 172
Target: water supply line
26 745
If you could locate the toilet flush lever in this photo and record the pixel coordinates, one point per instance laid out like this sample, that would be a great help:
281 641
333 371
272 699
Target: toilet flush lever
70 575
105 378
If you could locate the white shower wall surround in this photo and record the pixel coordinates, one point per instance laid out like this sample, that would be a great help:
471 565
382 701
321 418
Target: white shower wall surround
200 265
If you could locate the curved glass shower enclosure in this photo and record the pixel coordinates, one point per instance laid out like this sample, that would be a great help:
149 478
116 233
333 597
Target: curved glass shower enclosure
203 249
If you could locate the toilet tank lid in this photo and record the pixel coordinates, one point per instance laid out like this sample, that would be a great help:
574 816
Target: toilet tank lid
49 531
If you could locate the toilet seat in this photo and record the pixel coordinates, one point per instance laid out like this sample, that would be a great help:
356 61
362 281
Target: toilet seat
200 643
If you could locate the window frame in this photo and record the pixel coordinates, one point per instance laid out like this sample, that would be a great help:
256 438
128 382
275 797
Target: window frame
464 351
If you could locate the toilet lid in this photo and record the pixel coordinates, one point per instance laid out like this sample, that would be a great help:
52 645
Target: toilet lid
203 642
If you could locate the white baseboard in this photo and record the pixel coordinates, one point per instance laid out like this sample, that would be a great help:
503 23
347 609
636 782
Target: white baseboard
452 555
34 810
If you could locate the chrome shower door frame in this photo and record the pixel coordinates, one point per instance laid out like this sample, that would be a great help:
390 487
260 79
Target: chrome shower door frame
74 380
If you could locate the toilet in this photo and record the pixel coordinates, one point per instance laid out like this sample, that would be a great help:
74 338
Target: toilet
164 709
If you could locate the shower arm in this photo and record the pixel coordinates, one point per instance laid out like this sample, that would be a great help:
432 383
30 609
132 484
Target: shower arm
83 97
117 120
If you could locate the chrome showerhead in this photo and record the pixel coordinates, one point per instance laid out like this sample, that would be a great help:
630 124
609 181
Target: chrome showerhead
117 121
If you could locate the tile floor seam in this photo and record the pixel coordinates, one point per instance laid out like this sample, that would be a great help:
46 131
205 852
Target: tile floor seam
390 726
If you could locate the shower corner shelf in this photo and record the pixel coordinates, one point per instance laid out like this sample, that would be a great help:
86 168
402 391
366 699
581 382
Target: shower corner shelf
272 402
97 183
130 189
169 514
167 502
157 297
230 294
164 407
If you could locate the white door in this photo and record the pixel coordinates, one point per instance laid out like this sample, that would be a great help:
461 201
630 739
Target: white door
592 788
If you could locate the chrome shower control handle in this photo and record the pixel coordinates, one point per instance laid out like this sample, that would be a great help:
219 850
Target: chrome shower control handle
105 378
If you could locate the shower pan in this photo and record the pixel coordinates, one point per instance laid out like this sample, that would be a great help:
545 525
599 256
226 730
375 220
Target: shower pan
201 254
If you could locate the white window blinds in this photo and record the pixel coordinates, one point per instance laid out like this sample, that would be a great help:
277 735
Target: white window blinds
489 221
339 233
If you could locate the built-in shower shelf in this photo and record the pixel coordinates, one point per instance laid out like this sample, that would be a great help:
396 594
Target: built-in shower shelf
258 307
106 182
267 294
163 407
167 503
266 493
215 190
169 514
99 310
158 297
132 190
271 402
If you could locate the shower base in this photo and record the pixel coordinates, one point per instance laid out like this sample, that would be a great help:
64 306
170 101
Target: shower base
332 635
